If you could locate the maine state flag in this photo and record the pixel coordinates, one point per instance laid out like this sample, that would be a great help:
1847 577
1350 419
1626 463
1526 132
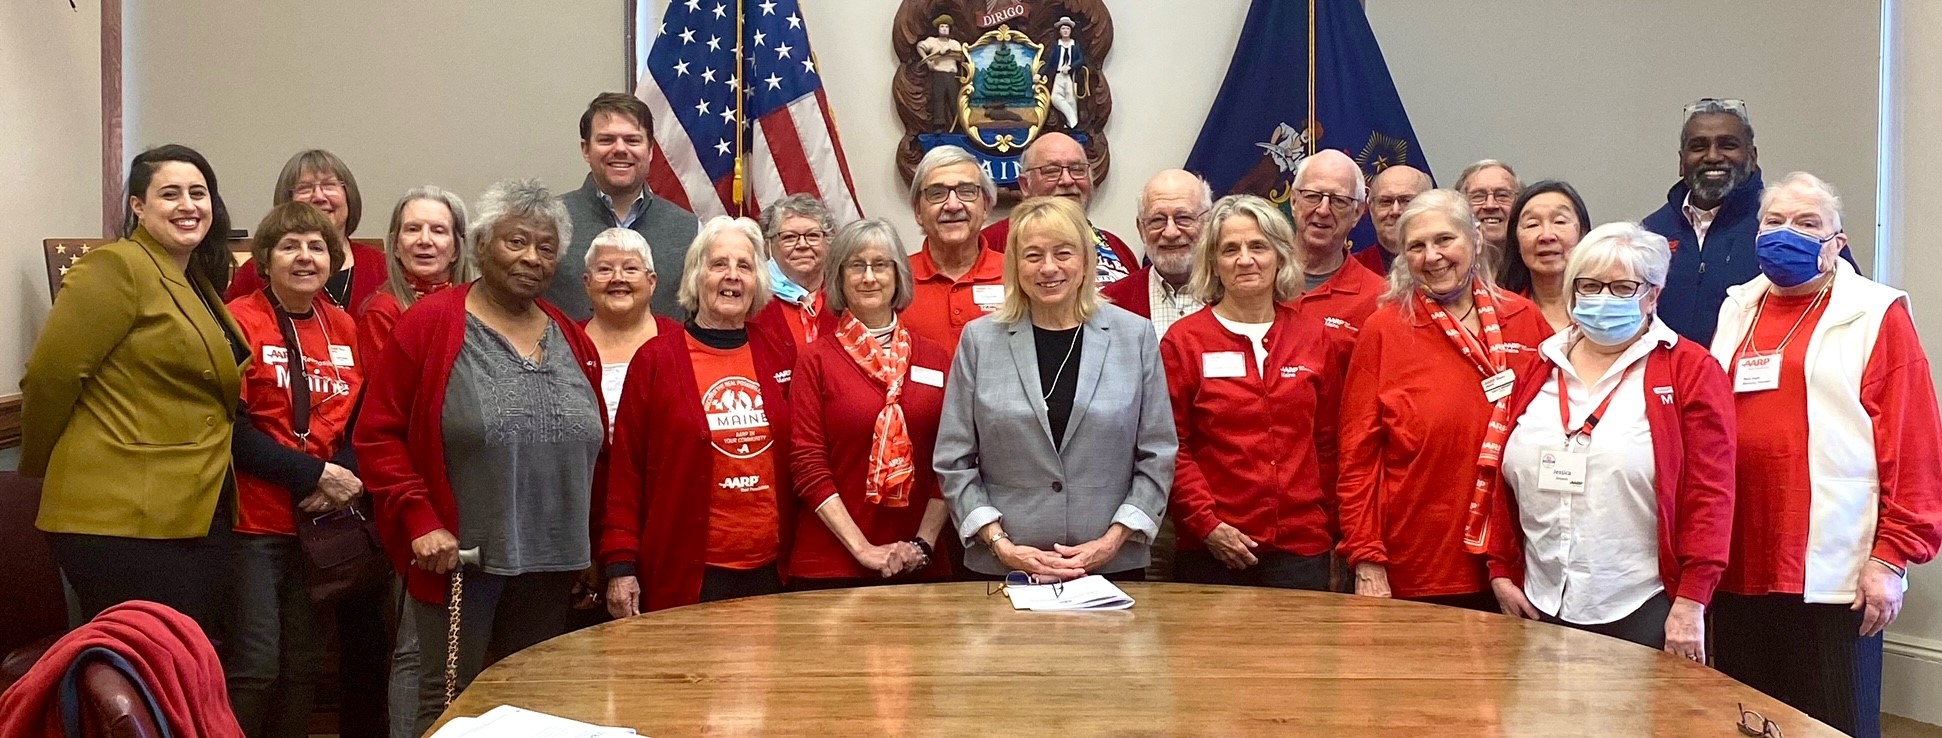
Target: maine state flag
1306 76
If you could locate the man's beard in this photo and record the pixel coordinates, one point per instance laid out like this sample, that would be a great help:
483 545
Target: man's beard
1735 176
1175 267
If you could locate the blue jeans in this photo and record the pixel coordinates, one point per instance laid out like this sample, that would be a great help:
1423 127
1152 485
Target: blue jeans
273 656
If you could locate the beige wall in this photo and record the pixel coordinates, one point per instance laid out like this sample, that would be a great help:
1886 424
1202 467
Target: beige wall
50 133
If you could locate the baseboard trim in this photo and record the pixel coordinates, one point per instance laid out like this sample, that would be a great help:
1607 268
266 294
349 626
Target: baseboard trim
1911 667
9 421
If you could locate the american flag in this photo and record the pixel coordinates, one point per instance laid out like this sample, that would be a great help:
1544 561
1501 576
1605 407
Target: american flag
782 132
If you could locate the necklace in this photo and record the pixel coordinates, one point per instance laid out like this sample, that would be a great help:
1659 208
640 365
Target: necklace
1046 396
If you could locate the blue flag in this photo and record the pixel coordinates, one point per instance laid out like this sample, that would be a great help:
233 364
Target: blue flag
1260 127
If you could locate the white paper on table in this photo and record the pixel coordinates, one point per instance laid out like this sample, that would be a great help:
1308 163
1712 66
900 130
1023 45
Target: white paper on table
1090 592
506 721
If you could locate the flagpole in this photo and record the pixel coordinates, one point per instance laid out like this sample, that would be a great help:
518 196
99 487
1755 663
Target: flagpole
741 94
1309 141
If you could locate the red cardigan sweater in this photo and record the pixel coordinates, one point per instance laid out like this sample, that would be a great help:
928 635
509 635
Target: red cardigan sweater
1689 407
657 493
400 434
836 408
1257 453
1132 293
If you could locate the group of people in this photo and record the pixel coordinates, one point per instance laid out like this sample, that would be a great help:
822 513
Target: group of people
592 402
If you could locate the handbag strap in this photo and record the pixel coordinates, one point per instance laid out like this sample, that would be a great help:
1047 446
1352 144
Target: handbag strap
299 373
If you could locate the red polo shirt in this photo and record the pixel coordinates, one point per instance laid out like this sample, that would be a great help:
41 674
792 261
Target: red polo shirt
940 307
1348 298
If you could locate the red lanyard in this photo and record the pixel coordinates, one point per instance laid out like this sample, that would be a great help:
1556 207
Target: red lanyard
1591 421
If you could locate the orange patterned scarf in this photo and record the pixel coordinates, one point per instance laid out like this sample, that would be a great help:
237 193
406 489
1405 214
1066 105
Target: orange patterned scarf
891 474
1486 353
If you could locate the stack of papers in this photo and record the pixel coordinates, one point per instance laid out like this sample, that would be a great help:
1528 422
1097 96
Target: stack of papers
506 721
1090 592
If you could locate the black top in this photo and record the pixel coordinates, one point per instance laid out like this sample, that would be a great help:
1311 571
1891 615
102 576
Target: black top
1058 374
720 340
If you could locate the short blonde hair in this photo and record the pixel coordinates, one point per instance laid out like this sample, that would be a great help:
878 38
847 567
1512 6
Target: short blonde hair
1206 285
1061 218
694 266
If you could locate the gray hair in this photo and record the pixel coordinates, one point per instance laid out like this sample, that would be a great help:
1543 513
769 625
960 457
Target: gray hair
624 240
694 266
519 198
465 267
1640 251
1361 182
800 206
1814 187
1716 106
1206 285
1455 208
1463 179
1205 191
949 156
854 238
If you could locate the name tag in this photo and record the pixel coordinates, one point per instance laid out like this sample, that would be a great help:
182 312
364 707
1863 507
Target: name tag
1561 471
927 376
1756 373
340 355
988 296
1498 385
1223 364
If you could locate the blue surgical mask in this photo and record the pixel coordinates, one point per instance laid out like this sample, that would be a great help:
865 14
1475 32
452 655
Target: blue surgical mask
1789 256
1608 320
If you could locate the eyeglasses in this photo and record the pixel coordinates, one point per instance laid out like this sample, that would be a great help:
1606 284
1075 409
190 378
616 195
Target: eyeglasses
790 239
1480 197
1184 221
1756 725
607 273
1717 104
1337 203
935 194
860 268
1392 201
1080 172
1022 579
328 187
1586 287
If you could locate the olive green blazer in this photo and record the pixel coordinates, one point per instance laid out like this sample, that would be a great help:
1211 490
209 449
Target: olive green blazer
128 399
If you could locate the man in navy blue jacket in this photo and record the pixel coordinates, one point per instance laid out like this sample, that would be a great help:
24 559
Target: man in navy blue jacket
1710 217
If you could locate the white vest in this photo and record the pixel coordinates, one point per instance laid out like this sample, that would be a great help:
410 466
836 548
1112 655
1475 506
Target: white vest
1841 461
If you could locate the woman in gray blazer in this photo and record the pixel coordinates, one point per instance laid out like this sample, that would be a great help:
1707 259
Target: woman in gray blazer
1056 447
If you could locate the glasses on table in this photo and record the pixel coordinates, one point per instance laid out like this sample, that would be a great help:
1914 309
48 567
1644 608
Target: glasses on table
1337 203
1624 288
1757 725
1022 579
935 194
328 187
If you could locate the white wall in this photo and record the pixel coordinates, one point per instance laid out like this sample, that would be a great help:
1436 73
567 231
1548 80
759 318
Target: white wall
50 131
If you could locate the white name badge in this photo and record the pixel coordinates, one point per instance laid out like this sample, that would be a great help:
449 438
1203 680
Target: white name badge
340 355
988 295
1497 386
1756 373
1561 471
927 376
1223 364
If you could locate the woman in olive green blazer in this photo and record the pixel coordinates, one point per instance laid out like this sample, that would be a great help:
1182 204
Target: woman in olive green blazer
129 398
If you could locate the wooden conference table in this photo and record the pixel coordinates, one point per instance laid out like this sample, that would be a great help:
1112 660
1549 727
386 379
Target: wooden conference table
944 659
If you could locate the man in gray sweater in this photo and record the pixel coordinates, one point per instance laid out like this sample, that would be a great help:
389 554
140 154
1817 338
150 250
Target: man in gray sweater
614 140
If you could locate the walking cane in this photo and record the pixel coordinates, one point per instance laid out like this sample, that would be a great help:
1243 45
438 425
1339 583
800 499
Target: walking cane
467 557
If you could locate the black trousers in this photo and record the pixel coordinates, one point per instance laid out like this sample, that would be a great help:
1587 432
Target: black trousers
191 575
1809 656
727 584
363 663
1274 569
1645 626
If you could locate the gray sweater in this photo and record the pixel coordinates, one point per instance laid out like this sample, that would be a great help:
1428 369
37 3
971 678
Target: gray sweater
667 228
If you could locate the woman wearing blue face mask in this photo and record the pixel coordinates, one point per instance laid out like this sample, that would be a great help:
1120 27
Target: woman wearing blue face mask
1617 501
1839 464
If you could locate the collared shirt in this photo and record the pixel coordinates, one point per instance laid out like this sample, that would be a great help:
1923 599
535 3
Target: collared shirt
633 211
1701 220
1168 303
1591 556
940 307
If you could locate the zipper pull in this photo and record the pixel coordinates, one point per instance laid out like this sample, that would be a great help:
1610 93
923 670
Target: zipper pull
1702 268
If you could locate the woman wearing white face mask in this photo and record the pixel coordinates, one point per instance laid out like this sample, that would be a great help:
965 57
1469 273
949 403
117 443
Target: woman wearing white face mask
1623 531
1839 464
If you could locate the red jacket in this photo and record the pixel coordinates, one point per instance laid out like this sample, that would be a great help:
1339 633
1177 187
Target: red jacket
172 660
1134 293
835 409
380 315
1375 257
1688 406
1257 453
400 435
1348 297
657 499
1413 417
264 507
785 319
368 276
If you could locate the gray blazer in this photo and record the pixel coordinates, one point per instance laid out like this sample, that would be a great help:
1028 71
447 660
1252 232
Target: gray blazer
1116 463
